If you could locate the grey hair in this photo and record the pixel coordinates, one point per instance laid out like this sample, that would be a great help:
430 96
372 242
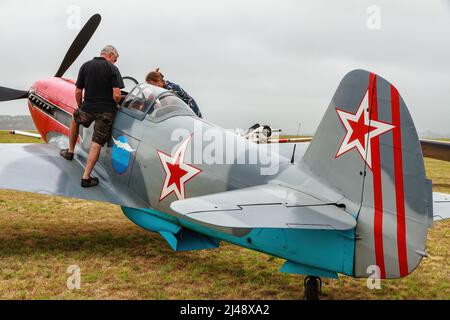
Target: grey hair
110 49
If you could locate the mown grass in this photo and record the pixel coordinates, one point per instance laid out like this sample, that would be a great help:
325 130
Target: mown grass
6 137
41 236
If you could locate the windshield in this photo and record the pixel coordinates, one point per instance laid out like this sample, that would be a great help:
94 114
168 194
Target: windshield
156 101
168 99
140 98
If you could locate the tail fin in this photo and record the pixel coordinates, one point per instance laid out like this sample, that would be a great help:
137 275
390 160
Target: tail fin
367 148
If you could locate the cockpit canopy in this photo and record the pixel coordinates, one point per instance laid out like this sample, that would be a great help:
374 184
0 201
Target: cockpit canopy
158 103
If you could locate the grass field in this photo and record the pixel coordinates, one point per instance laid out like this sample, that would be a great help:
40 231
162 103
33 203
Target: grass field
41 236
6 137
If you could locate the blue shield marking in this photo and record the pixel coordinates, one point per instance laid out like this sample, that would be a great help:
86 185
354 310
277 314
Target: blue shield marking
120 156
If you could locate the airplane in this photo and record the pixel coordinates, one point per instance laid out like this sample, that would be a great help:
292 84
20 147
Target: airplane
354 197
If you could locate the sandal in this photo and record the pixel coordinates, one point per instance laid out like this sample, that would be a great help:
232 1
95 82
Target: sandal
66 154
91 182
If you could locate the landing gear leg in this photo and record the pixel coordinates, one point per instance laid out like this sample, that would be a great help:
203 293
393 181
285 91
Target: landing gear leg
313 287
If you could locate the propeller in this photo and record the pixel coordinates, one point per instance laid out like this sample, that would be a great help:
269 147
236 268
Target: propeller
7 94
79 44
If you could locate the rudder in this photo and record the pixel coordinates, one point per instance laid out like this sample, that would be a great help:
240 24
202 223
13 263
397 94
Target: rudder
367 148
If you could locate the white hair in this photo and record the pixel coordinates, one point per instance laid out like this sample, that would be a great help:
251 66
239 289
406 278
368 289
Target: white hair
110 49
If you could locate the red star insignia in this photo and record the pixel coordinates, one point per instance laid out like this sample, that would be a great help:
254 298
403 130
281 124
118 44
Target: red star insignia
177 171
360 130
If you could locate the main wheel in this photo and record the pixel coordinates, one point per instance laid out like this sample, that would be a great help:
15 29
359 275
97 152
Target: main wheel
313 286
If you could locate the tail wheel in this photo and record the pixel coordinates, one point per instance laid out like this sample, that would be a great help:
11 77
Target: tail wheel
313 288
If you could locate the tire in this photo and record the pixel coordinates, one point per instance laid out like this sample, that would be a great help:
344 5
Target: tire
312 288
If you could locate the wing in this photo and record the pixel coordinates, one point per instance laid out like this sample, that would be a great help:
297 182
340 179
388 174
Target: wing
439 150
436 149
38 168
441 206
265 206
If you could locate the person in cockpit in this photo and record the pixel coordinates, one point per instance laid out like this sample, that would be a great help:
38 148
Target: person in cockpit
156 78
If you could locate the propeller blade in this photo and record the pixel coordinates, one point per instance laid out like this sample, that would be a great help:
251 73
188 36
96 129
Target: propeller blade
7 94
79 44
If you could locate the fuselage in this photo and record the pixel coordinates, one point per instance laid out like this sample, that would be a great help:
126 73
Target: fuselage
143 153
225 160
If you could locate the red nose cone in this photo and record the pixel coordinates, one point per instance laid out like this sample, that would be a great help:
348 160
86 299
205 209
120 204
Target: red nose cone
58 91
60 96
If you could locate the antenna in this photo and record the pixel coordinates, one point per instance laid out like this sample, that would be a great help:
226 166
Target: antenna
295 145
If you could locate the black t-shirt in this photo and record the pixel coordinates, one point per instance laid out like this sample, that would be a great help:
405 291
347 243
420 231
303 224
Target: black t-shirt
98 77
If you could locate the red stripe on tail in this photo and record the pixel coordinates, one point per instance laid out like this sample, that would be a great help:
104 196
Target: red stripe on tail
399 187
377 183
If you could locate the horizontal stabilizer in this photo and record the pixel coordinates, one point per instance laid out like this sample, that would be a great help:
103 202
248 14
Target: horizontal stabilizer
265 206
441 206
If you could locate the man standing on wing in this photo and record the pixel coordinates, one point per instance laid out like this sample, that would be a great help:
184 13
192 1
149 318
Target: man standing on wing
101 81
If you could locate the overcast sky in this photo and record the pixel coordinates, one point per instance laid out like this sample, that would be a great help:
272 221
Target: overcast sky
274 62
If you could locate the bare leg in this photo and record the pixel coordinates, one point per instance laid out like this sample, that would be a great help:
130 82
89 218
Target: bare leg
94 153
74 128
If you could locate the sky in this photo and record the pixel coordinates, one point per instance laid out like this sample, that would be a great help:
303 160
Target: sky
245 61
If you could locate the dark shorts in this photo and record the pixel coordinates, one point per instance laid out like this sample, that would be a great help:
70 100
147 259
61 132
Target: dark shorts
102 127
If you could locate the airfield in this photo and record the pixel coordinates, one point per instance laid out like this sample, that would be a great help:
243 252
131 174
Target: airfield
41 236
